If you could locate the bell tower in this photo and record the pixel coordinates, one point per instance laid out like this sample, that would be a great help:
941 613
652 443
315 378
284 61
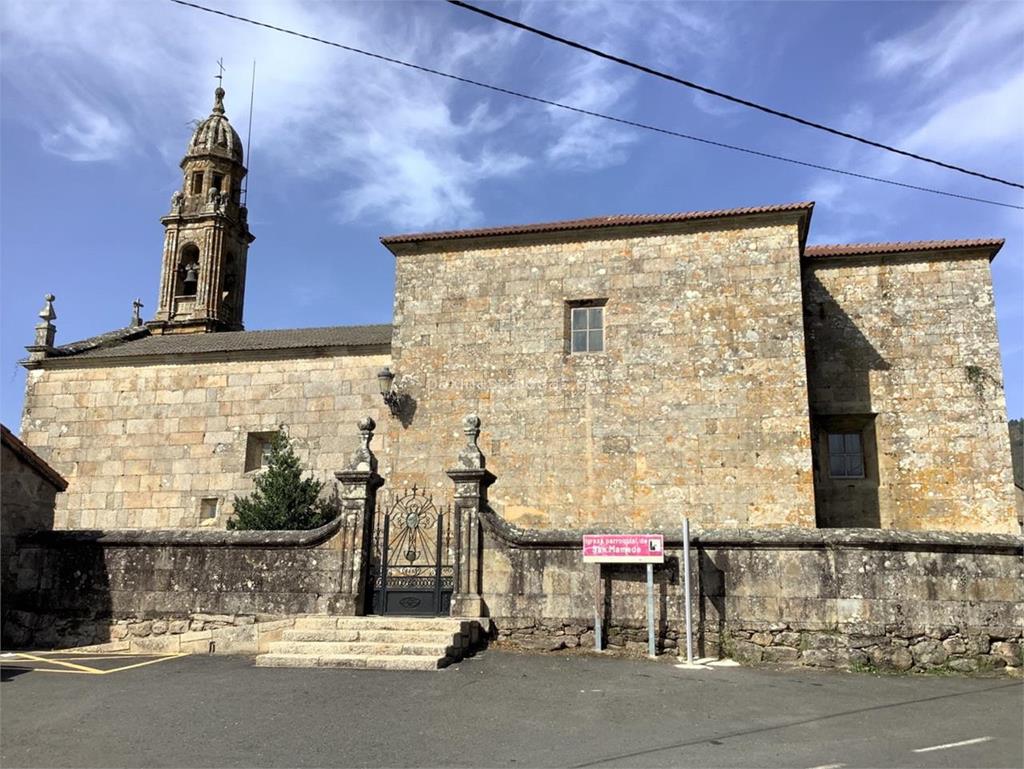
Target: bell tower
206 235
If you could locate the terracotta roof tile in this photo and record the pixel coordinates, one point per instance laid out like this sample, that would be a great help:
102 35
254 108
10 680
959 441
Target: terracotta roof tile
903 247
594 223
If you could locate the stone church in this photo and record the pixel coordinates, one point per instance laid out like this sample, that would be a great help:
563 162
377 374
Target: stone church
627 371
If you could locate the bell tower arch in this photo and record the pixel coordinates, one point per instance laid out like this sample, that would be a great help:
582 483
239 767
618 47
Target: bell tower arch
206 234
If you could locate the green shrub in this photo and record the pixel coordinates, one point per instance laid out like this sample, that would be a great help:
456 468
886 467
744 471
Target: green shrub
283 499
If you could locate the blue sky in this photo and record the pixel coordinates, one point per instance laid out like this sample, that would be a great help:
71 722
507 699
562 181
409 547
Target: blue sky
97 97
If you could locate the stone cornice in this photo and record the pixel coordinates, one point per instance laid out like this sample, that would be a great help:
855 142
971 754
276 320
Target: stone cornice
219 356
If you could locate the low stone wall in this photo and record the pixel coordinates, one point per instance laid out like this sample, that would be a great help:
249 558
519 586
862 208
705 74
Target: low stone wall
75 588
849 598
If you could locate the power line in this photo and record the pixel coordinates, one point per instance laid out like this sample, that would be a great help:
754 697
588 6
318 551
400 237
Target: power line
726 96
590 113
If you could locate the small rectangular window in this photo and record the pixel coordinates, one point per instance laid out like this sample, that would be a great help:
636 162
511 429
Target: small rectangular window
257 450
218 180
587 328
208 508
845 455
197 183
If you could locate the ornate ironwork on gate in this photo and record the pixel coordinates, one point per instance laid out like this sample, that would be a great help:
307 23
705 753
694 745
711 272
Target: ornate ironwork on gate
412 564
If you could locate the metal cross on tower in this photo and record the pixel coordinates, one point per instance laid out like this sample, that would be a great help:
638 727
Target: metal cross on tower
220 75
136 314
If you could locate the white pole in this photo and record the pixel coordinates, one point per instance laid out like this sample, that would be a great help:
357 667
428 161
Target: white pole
650 610
598 606
686 590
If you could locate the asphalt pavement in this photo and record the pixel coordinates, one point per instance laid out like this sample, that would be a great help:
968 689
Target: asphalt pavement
498 709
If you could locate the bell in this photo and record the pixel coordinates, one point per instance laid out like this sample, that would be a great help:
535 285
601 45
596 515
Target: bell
191 274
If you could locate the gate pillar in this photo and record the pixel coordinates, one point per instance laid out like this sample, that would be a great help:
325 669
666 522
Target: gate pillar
358 484
471 481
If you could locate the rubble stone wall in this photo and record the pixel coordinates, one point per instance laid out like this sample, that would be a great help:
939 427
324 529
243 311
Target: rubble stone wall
911 341
836 598
75 588
142 445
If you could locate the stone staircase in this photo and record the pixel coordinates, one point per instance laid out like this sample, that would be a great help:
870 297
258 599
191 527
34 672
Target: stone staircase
383 643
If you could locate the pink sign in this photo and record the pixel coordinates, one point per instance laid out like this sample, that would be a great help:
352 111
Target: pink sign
623 548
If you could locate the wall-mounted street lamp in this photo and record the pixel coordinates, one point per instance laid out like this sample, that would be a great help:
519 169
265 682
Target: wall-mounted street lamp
385 380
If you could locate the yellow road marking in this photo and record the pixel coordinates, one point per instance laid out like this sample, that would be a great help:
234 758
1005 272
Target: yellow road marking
85 670
148 662
74 666
105 657
47 670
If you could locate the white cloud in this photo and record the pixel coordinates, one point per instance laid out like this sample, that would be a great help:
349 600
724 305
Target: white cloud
950 40
88 135
590 142
976 122
407 148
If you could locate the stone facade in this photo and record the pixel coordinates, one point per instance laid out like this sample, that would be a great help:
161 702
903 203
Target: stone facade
907 344
142 445
736 369
698 404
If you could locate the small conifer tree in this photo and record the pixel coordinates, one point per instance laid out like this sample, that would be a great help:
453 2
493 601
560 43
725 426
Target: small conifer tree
283 499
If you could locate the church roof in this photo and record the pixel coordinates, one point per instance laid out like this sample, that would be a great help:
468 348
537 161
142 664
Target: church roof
904 247
140 343
598 222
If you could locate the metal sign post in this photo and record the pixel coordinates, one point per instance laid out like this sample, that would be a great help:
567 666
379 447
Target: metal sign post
624 548
686 590
650 611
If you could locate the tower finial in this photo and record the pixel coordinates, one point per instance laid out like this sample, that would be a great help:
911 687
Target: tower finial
136 313
218 102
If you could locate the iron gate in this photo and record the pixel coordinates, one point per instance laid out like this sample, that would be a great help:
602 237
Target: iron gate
412 567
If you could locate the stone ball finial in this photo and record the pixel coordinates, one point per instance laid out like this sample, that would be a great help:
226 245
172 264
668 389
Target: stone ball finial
48 313
218 101
471 457
366 424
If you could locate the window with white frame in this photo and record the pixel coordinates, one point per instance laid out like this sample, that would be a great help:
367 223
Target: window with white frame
587 327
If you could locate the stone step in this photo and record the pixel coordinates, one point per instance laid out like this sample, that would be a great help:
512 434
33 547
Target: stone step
367 635
376 662
317 648
326 622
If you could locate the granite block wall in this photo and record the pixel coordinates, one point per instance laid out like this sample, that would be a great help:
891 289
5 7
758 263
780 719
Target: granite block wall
143 445
909 343
699 402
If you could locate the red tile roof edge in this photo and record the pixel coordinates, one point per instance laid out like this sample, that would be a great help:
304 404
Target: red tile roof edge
901 247
15 444
598 222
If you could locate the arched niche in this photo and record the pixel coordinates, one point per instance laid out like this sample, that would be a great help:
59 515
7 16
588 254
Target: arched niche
186 281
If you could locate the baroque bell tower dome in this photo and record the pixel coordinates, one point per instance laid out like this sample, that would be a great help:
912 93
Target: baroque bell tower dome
206 240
